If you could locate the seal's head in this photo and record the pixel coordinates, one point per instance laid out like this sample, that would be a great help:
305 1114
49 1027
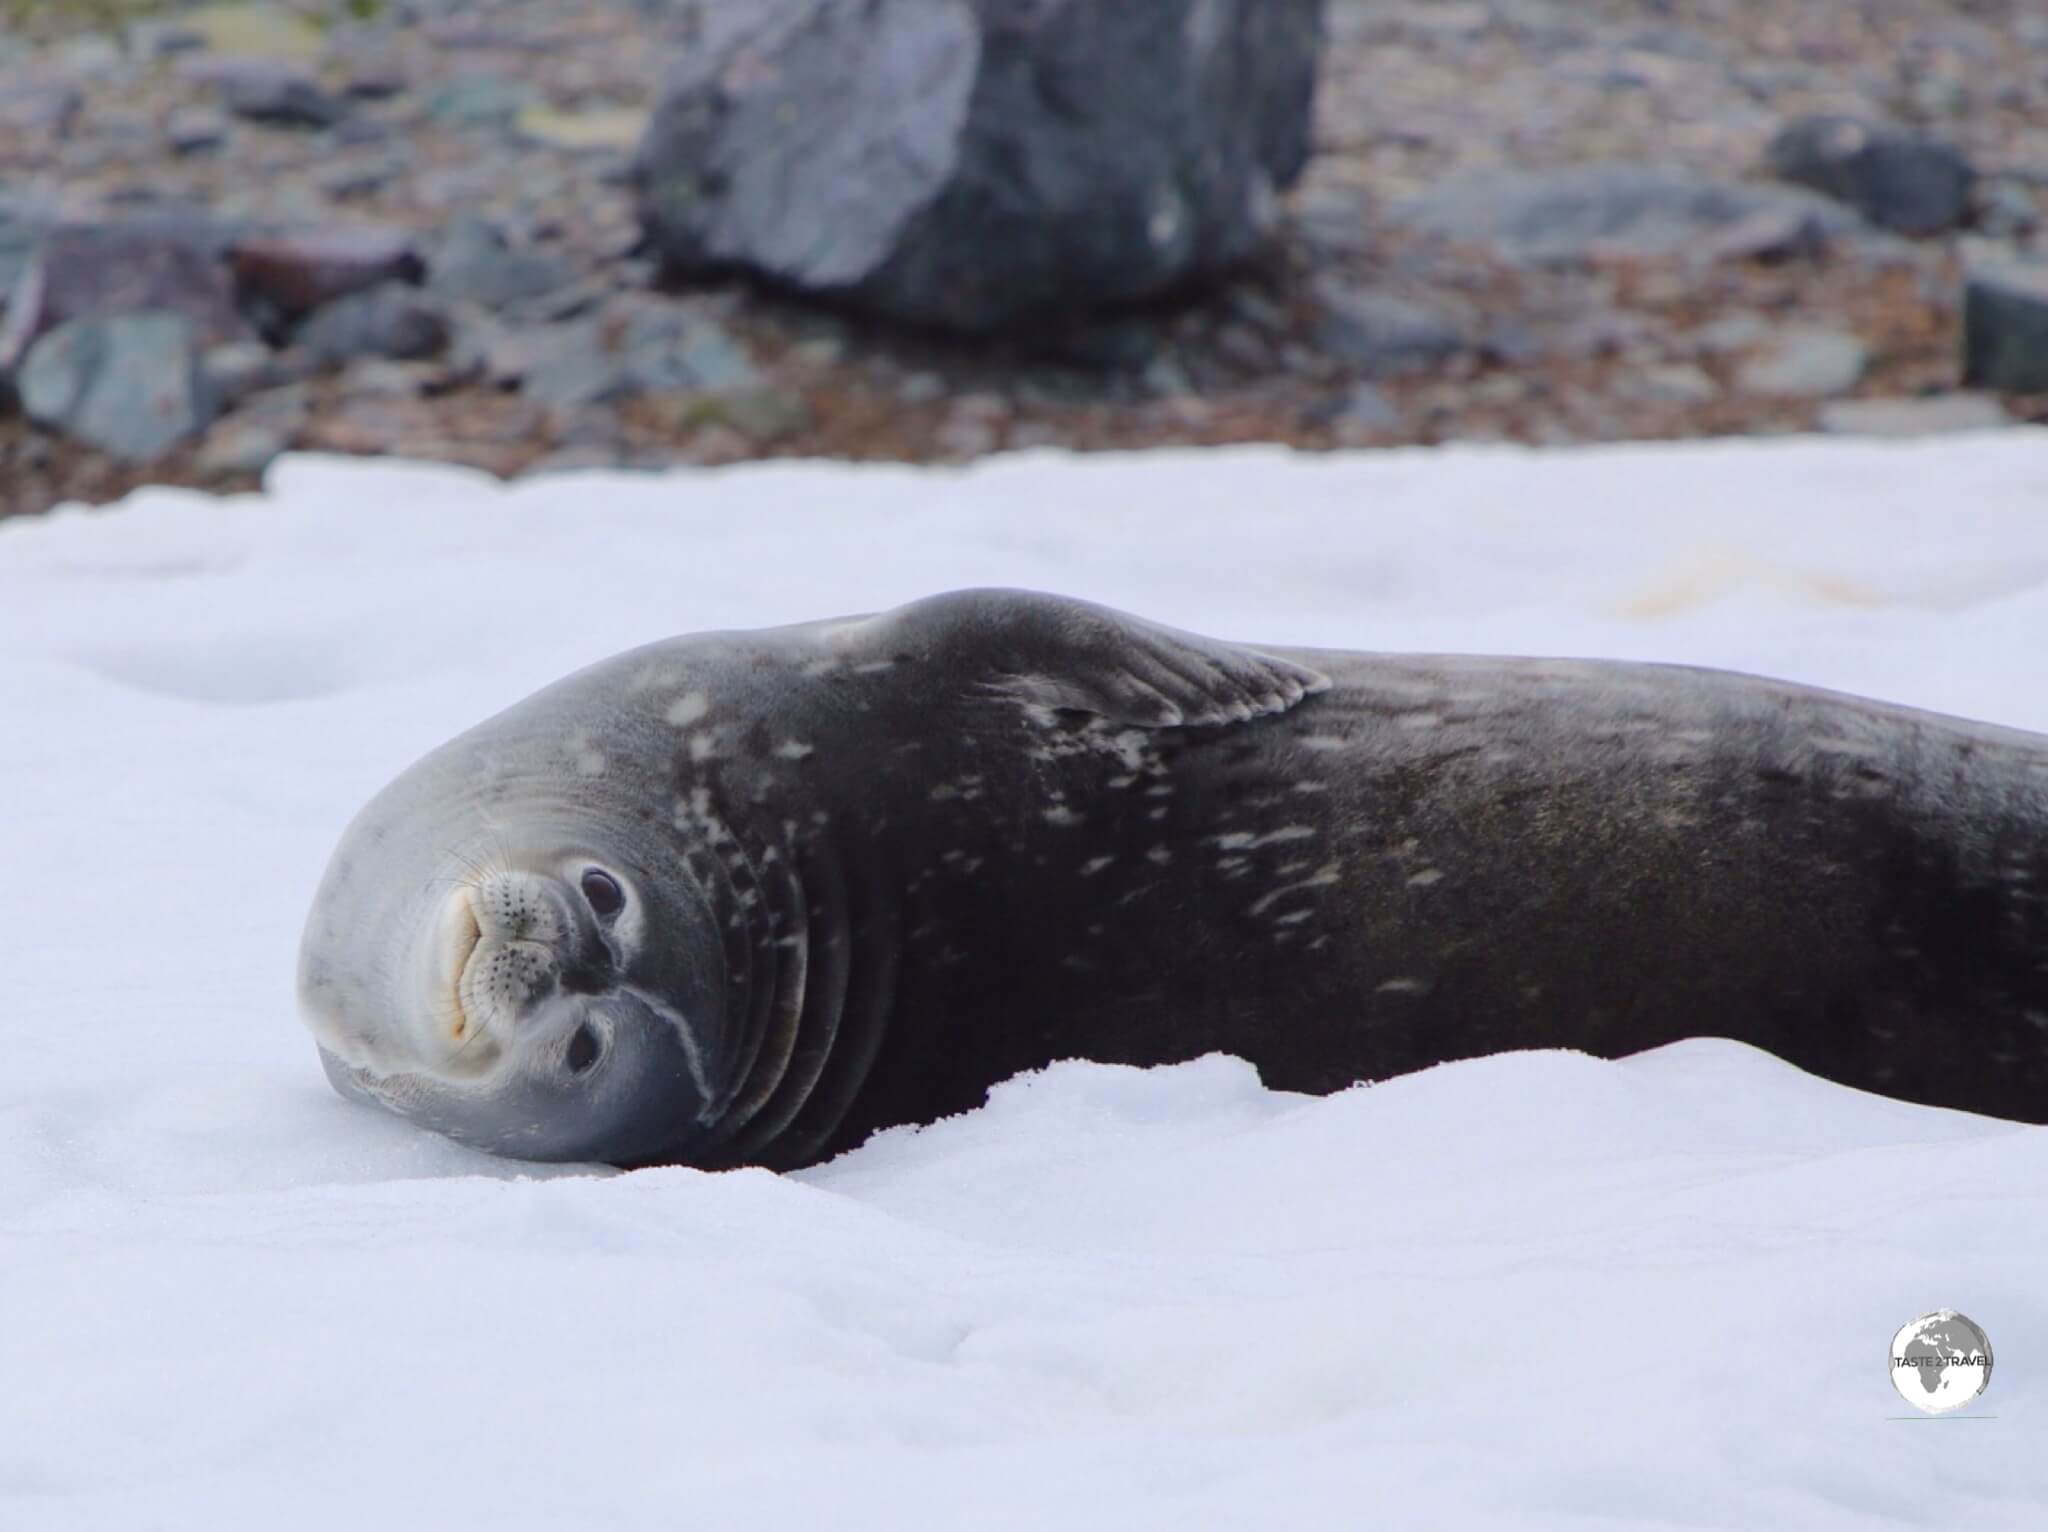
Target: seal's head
521 977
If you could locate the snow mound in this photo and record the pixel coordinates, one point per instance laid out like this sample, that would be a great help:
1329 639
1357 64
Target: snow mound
1530 1291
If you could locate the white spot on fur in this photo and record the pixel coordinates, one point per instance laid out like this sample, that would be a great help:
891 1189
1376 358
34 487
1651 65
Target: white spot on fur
702 747
688 708
1095 864
1404 987
1323 742
1322 878
590 764
793 750
1424 878
652 678
1244 840
1059 814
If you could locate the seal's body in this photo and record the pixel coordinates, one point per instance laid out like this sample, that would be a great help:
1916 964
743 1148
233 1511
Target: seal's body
745 898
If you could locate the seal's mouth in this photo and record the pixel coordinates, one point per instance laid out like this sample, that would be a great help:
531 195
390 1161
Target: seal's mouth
460 935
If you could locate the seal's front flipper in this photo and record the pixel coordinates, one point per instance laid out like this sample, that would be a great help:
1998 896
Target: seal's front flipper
1056 652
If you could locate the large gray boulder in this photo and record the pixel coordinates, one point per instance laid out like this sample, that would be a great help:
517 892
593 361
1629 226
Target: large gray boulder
975 165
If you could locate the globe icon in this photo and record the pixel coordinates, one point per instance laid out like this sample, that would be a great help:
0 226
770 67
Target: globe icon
1940 1362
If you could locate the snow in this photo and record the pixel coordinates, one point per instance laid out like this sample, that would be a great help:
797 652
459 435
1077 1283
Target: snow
1534 1291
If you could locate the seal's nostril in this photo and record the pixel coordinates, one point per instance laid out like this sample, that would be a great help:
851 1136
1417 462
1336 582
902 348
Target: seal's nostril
583 1049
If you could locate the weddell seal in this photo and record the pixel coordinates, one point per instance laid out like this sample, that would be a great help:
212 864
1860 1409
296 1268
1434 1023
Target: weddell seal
744 898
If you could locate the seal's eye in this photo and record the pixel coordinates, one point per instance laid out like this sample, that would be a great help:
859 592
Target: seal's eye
583 1049
603 891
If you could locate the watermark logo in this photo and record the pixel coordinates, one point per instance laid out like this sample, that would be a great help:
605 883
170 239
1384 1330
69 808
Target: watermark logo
1940 1362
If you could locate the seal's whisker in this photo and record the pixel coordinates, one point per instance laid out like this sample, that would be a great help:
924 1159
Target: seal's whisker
480 869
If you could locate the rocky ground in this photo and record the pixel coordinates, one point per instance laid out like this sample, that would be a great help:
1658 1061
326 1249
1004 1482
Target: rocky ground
1531 220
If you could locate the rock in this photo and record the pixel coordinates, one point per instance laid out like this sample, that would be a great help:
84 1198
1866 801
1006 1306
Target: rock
195 129
475 262
237 370
1360 411
254 30
1731 332
1938 415
293 274
1805 361
349 178
986 162
235 449
284 409
564 366
637 349
393 320
40 107
22 229
375 80
667 347
1380 335
578 298
477 101
1104 342
1619 208
358 131
714 445
376 377
1937 96
283 100
97 270
617 128
88 56
1680 383
2005 327
1768 234
2006 208
763 413
128 384
267 90
1900 181
152 37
